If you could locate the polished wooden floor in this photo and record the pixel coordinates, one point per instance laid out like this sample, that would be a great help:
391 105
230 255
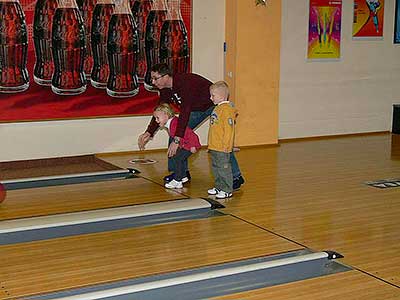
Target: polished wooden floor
301 194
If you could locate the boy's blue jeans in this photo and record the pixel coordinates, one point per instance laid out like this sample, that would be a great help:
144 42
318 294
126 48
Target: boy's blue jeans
195 119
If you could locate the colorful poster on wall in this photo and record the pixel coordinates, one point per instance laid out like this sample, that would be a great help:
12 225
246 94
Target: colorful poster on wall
396 38
63 59
325 19
368 18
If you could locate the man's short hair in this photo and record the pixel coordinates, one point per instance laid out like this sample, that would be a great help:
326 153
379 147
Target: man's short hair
162 69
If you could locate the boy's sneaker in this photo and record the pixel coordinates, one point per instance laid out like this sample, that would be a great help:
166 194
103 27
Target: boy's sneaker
174 184
237 183
213 191
223 195
171 176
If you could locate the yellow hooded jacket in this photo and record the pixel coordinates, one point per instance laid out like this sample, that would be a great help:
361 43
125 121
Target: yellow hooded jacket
222 127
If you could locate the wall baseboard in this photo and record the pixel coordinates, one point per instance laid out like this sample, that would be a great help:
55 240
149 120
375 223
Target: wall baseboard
334 136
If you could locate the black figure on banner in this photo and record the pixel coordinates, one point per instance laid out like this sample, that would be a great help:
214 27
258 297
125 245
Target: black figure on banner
86 7
140 11
174 45
42 26
68 47
155 20
122 50
13 48
100 21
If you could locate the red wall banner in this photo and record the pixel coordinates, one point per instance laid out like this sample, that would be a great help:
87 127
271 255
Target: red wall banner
40 102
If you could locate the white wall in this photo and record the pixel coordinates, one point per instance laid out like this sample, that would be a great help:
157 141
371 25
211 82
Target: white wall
31 140
352 95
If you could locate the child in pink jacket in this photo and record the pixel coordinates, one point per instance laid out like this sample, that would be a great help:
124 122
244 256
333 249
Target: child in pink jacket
190 143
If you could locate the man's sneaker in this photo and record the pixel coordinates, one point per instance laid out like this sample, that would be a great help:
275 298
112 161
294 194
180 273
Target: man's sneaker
223 195
173 184
237 183
213 191
171 176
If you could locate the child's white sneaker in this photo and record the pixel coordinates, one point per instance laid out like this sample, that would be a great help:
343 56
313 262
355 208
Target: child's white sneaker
174 184
213 191
223 195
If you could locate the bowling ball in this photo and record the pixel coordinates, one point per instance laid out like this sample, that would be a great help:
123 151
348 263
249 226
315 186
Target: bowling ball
2 193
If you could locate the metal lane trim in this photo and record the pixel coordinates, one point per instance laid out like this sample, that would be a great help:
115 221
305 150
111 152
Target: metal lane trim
92 216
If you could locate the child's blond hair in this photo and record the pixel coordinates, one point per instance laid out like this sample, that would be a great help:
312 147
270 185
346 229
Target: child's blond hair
165 107
221 86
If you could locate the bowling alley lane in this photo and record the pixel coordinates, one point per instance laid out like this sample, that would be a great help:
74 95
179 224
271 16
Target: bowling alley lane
81 197
347 285
71 262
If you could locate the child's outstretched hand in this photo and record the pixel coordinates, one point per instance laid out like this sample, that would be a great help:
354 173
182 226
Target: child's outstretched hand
193 149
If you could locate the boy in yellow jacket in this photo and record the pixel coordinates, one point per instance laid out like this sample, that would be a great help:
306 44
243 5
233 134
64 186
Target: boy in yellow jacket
220 140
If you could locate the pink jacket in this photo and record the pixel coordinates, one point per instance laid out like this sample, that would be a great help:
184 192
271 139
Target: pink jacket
189 140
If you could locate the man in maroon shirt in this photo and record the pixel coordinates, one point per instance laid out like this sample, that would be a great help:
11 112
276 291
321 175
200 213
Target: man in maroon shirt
191 92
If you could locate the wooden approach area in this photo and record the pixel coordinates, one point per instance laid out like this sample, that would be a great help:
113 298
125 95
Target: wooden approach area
300 194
